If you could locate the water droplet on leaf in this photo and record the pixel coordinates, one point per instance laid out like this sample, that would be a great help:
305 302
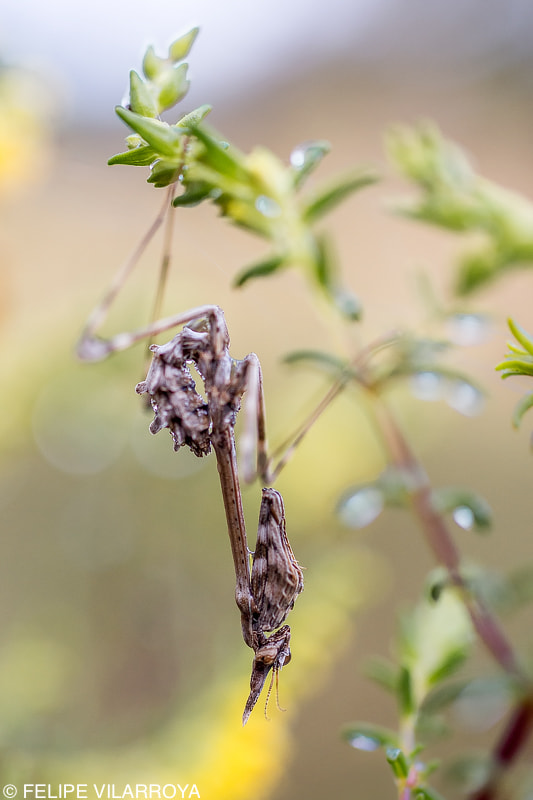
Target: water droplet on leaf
464 517
427 386
298 156
267 206
366 743
465 398
361 507
468 329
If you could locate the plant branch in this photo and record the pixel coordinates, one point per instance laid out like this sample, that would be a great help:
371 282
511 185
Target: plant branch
507 749
443 547
440 541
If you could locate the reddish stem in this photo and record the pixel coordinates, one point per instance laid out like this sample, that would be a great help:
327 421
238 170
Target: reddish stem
439 539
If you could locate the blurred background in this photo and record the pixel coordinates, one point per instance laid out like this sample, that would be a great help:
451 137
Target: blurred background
121 659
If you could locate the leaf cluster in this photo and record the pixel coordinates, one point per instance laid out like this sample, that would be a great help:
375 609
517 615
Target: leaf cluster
256 191
433 643
455 197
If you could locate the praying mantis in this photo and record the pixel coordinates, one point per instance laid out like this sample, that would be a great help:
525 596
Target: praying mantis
265 594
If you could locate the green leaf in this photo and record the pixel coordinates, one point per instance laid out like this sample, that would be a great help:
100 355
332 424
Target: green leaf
173 87
194 118
365 736
516 366
195 194
397 484
164 139
398 762
218 157
521 335
439 699
141 98
153 65
335 194
383 672
404 692
451 661
164 173
521 407
141 156
475 270
453 499
181 47
260 270
306 157
426 793
319 358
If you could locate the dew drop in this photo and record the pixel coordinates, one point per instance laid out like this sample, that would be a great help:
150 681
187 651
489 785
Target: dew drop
267 206
300 155
361 507
468 329
464 398
366 743
427 386
464 517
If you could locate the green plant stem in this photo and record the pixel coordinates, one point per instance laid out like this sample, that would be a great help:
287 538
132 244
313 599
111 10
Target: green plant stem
440 541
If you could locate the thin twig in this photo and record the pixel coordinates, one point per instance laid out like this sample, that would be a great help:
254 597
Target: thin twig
443 547
520 724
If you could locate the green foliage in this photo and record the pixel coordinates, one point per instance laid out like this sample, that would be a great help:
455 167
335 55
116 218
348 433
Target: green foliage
263 195
459 501
255 191
519 361
454 197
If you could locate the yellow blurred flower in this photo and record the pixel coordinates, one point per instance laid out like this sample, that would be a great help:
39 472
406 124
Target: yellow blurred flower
26 105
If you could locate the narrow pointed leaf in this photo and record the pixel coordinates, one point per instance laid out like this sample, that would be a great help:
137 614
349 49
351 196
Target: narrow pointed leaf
404 692
383 672
516 366
141 98
260 270
335 194
319 358
521 335
164 139
138 157
439 699
153 65
181 47
426 793
218 157
452 660
398 762
174 87
306 157
194 117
